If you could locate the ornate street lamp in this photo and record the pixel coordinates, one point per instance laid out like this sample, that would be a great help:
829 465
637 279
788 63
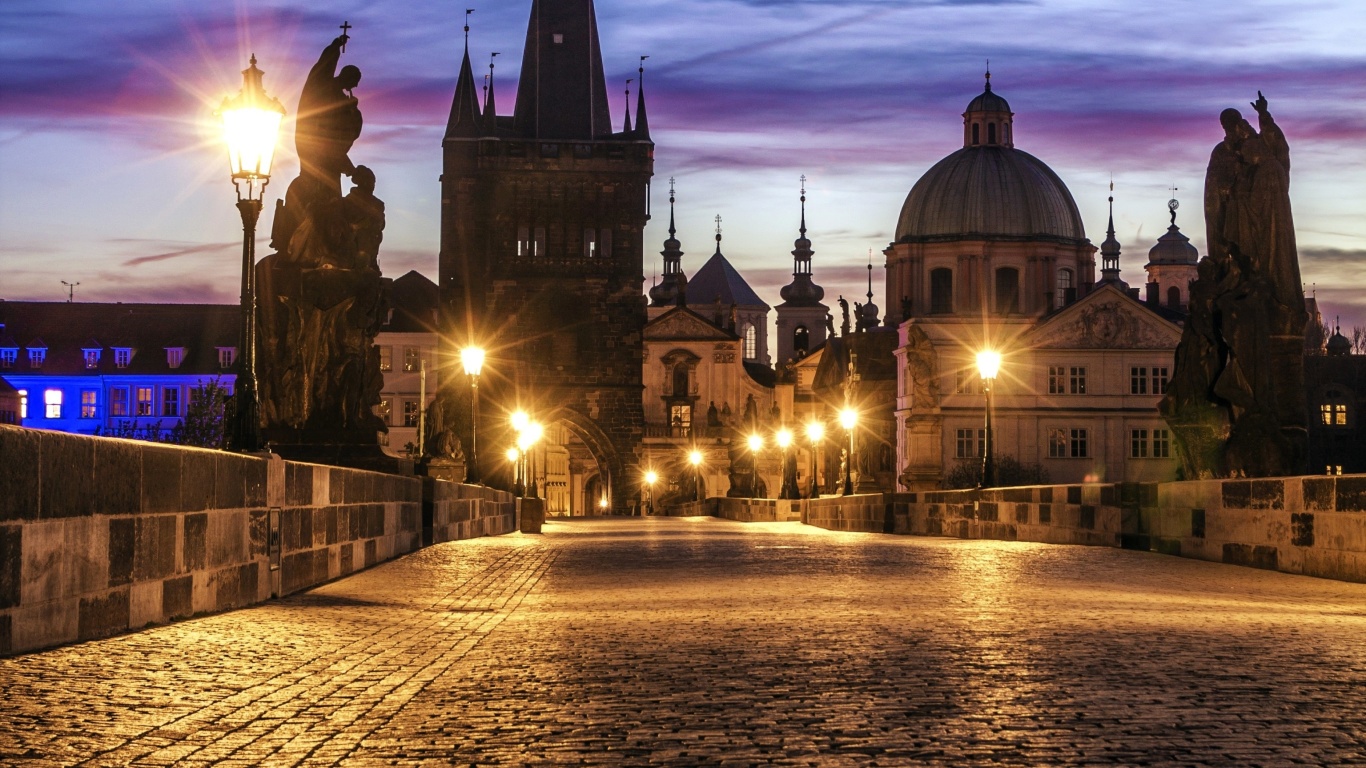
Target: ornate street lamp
695 459
783 437
849 420
651 477
251 126
472 358
533 434
815 432
988 365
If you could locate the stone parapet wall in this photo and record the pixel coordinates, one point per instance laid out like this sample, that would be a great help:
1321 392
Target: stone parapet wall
99 535
758 510
866 513
1059 514
459 511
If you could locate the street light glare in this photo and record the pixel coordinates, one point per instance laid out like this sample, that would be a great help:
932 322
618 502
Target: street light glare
534 432
651 477
513 454
695 458
251 125
520 420
988 363
472 358
815 431
848 418
755 442
784 438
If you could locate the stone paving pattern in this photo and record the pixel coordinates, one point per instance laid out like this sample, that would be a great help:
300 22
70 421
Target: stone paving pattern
708 642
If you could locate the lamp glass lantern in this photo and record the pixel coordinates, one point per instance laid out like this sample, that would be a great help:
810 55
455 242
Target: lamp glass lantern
251 127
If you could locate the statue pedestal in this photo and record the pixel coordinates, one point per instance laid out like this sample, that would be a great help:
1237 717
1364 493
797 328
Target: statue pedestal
339 448
443 469
531 514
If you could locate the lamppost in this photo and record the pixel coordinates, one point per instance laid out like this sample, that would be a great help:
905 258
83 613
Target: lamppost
695 459
783 438
472 358
988 365
533 434
251 125
514 457
849 420
756 444
651 477
815 432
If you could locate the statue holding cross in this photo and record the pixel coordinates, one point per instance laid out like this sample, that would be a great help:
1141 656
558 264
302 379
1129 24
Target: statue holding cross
329 120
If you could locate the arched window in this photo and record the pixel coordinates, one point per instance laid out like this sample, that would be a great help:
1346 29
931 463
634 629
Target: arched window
1064 283
751 337
1174 297
975 134
681 379
1333 410
801 341
991 133
941 290
1007 291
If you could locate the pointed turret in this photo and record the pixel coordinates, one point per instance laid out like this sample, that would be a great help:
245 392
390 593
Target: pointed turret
801 316
672 287
802 292
491 104
642 124
464 120
1109 251
562 93
867 314
988 121
626 126
1172 263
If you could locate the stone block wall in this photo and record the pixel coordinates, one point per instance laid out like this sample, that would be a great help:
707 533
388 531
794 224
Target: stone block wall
457 511
865 513
1051 514
99 535
758 510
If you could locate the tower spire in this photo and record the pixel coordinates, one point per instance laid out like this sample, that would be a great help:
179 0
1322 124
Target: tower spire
627 125
718 234
491 103
465 116
642 124
562 93
1109 250
671 288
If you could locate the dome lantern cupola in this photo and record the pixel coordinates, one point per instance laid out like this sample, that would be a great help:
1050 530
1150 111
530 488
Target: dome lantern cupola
671 288
1109 250
988 121
802 291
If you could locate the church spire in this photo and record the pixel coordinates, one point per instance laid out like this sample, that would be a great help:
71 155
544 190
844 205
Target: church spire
626 126
802 291
988 121
464 118
1109 250
491 103
671 288
642 124
562 93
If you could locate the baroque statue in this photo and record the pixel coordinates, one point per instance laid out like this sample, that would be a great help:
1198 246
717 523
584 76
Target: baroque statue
1236 402
322 297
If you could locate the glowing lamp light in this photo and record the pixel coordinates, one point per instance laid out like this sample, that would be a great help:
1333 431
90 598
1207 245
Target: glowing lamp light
755 442
472 358
848 418
695 458
524 441
251 126
784 438
651 477
988 364
520 420
513 454
534 432
602 503
815 431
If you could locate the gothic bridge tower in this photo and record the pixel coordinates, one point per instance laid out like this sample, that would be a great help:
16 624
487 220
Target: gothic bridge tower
542 252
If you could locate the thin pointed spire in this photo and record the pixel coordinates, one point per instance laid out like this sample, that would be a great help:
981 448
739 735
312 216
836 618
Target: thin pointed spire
627 124
870 275
1109 250
802 292
491 102
718 234
642 123
465 114
672 231
671 290
988 75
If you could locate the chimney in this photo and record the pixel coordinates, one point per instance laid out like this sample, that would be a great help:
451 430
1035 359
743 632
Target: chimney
1152 294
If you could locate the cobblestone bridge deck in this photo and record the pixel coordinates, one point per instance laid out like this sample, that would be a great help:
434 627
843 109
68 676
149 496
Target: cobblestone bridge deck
705 642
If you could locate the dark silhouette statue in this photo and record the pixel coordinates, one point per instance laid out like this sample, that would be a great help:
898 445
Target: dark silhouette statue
329 120
1236 402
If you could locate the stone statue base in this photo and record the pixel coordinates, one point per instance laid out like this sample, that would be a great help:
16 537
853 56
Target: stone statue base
354 449
442 468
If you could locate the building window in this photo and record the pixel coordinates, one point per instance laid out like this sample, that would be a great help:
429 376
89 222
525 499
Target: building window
976 133
1079 448
35 357
410 411
941 291
386 358
170 401
89 403
1160 381
1138 381
680 420
1334 414
23 404
1077 380
118 401
751 341
590 244
801 340
1064 285
1334 469
1174 297
122 356
970 443
52 398
412 359
226 356
680 379
1057 444
1057 380
385 409
92 358
991 133
174 356
1007 291
8 356
1138 443
144 398
966 382
1162 444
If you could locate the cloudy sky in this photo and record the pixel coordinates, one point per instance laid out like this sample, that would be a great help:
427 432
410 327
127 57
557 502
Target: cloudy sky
111 174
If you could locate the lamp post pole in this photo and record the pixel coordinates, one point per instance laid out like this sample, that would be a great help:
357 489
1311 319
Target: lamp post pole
248 432
472 358
988 365
849 420
814 431
695 458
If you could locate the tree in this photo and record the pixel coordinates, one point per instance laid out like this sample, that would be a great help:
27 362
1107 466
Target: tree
967 473
1359 339
205 422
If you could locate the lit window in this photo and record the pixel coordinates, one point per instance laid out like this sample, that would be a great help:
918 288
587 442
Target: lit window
226 357
122 356
385 408
92 358
118 401
1057 444
1334 469
1064 285
590 243
1138 381
410 411
1057 380
170 401
1160 379
35 357
1079 447
1078 380
412 357
1138 443
144 401
8 356
1334 414
23 403
386 359
751 341
175 356
970 443
1162 444
89 402
52 398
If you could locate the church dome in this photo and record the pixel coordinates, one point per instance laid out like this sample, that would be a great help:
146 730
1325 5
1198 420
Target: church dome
1173 248
988 192
1339 345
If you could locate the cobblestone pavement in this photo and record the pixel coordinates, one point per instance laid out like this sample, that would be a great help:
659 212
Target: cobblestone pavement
705 642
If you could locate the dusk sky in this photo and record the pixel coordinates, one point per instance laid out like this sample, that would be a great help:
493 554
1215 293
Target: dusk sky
112 173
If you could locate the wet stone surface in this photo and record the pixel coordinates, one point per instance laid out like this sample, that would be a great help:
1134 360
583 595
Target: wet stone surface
705 642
